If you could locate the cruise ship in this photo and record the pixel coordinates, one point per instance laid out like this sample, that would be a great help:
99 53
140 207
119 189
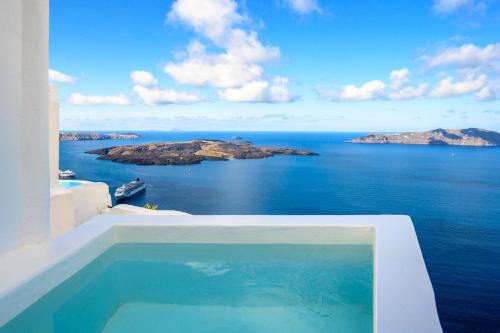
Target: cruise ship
130 189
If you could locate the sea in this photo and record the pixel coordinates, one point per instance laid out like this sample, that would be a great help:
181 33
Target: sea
452 194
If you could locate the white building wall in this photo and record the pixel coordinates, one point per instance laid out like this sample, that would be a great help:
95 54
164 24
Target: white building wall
10 104
24 153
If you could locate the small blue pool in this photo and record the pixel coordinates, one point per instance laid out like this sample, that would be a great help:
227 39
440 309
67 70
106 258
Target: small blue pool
244 288
69 183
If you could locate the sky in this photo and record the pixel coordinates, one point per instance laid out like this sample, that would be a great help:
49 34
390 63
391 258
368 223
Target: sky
276 65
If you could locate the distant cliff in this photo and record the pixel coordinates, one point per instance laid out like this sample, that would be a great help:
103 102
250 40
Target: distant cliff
81 136
191 152
454 137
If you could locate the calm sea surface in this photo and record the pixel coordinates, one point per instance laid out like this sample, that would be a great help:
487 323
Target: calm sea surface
451 193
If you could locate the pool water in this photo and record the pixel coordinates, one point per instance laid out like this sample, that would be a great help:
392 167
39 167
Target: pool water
69 183
212 288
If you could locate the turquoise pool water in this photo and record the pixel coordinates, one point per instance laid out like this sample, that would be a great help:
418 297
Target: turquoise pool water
69 183
212 288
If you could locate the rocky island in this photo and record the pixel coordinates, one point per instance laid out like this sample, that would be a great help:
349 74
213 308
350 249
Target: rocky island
454 137
82 136
191 152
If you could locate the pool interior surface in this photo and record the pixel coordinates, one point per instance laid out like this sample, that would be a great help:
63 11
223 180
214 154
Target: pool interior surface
212 288
69 183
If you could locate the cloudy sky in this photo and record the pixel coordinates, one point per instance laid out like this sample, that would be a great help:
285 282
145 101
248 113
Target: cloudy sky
294 65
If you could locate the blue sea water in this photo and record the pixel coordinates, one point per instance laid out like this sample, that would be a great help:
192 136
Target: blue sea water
451 193
207 288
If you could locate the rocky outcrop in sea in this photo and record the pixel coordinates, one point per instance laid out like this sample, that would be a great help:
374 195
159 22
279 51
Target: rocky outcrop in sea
82 136
191 152
455 137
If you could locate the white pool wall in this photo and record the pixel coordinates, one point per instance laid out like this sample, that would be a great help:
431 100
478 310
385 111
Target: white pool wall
403 296
73 206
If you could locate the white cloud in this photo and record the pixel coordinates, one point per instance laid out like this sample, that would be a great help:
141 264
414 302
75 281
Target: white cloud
448 6
242 53
79 99
445 7
409 92
448 87
399 77
143 78
213 70
147 90
476 69
467 56
260 92
303 6
238 65
56 76
377 89
370 90
157 96
211 18
243 46
487 94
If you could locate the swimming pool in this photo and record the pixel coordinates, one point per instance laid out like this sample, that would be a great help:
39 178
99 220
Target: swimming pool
48 280
212 288
70 183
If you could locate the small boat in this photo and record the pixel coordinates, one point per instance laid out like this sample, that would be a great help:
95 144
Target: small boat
130 189
67 173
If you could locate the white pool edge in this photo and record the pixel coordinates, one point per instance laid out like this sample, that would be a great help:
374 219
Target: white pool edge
403 295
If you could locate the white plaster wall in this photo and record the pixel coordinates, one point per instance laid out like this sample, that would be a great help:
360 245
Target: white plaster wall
91 200
70 207
35 189
62 211
54 134
10 104
24 122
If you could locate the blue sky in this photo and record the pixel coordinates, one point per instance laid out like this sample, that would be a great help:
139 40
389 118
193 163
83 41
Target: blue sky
295 65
